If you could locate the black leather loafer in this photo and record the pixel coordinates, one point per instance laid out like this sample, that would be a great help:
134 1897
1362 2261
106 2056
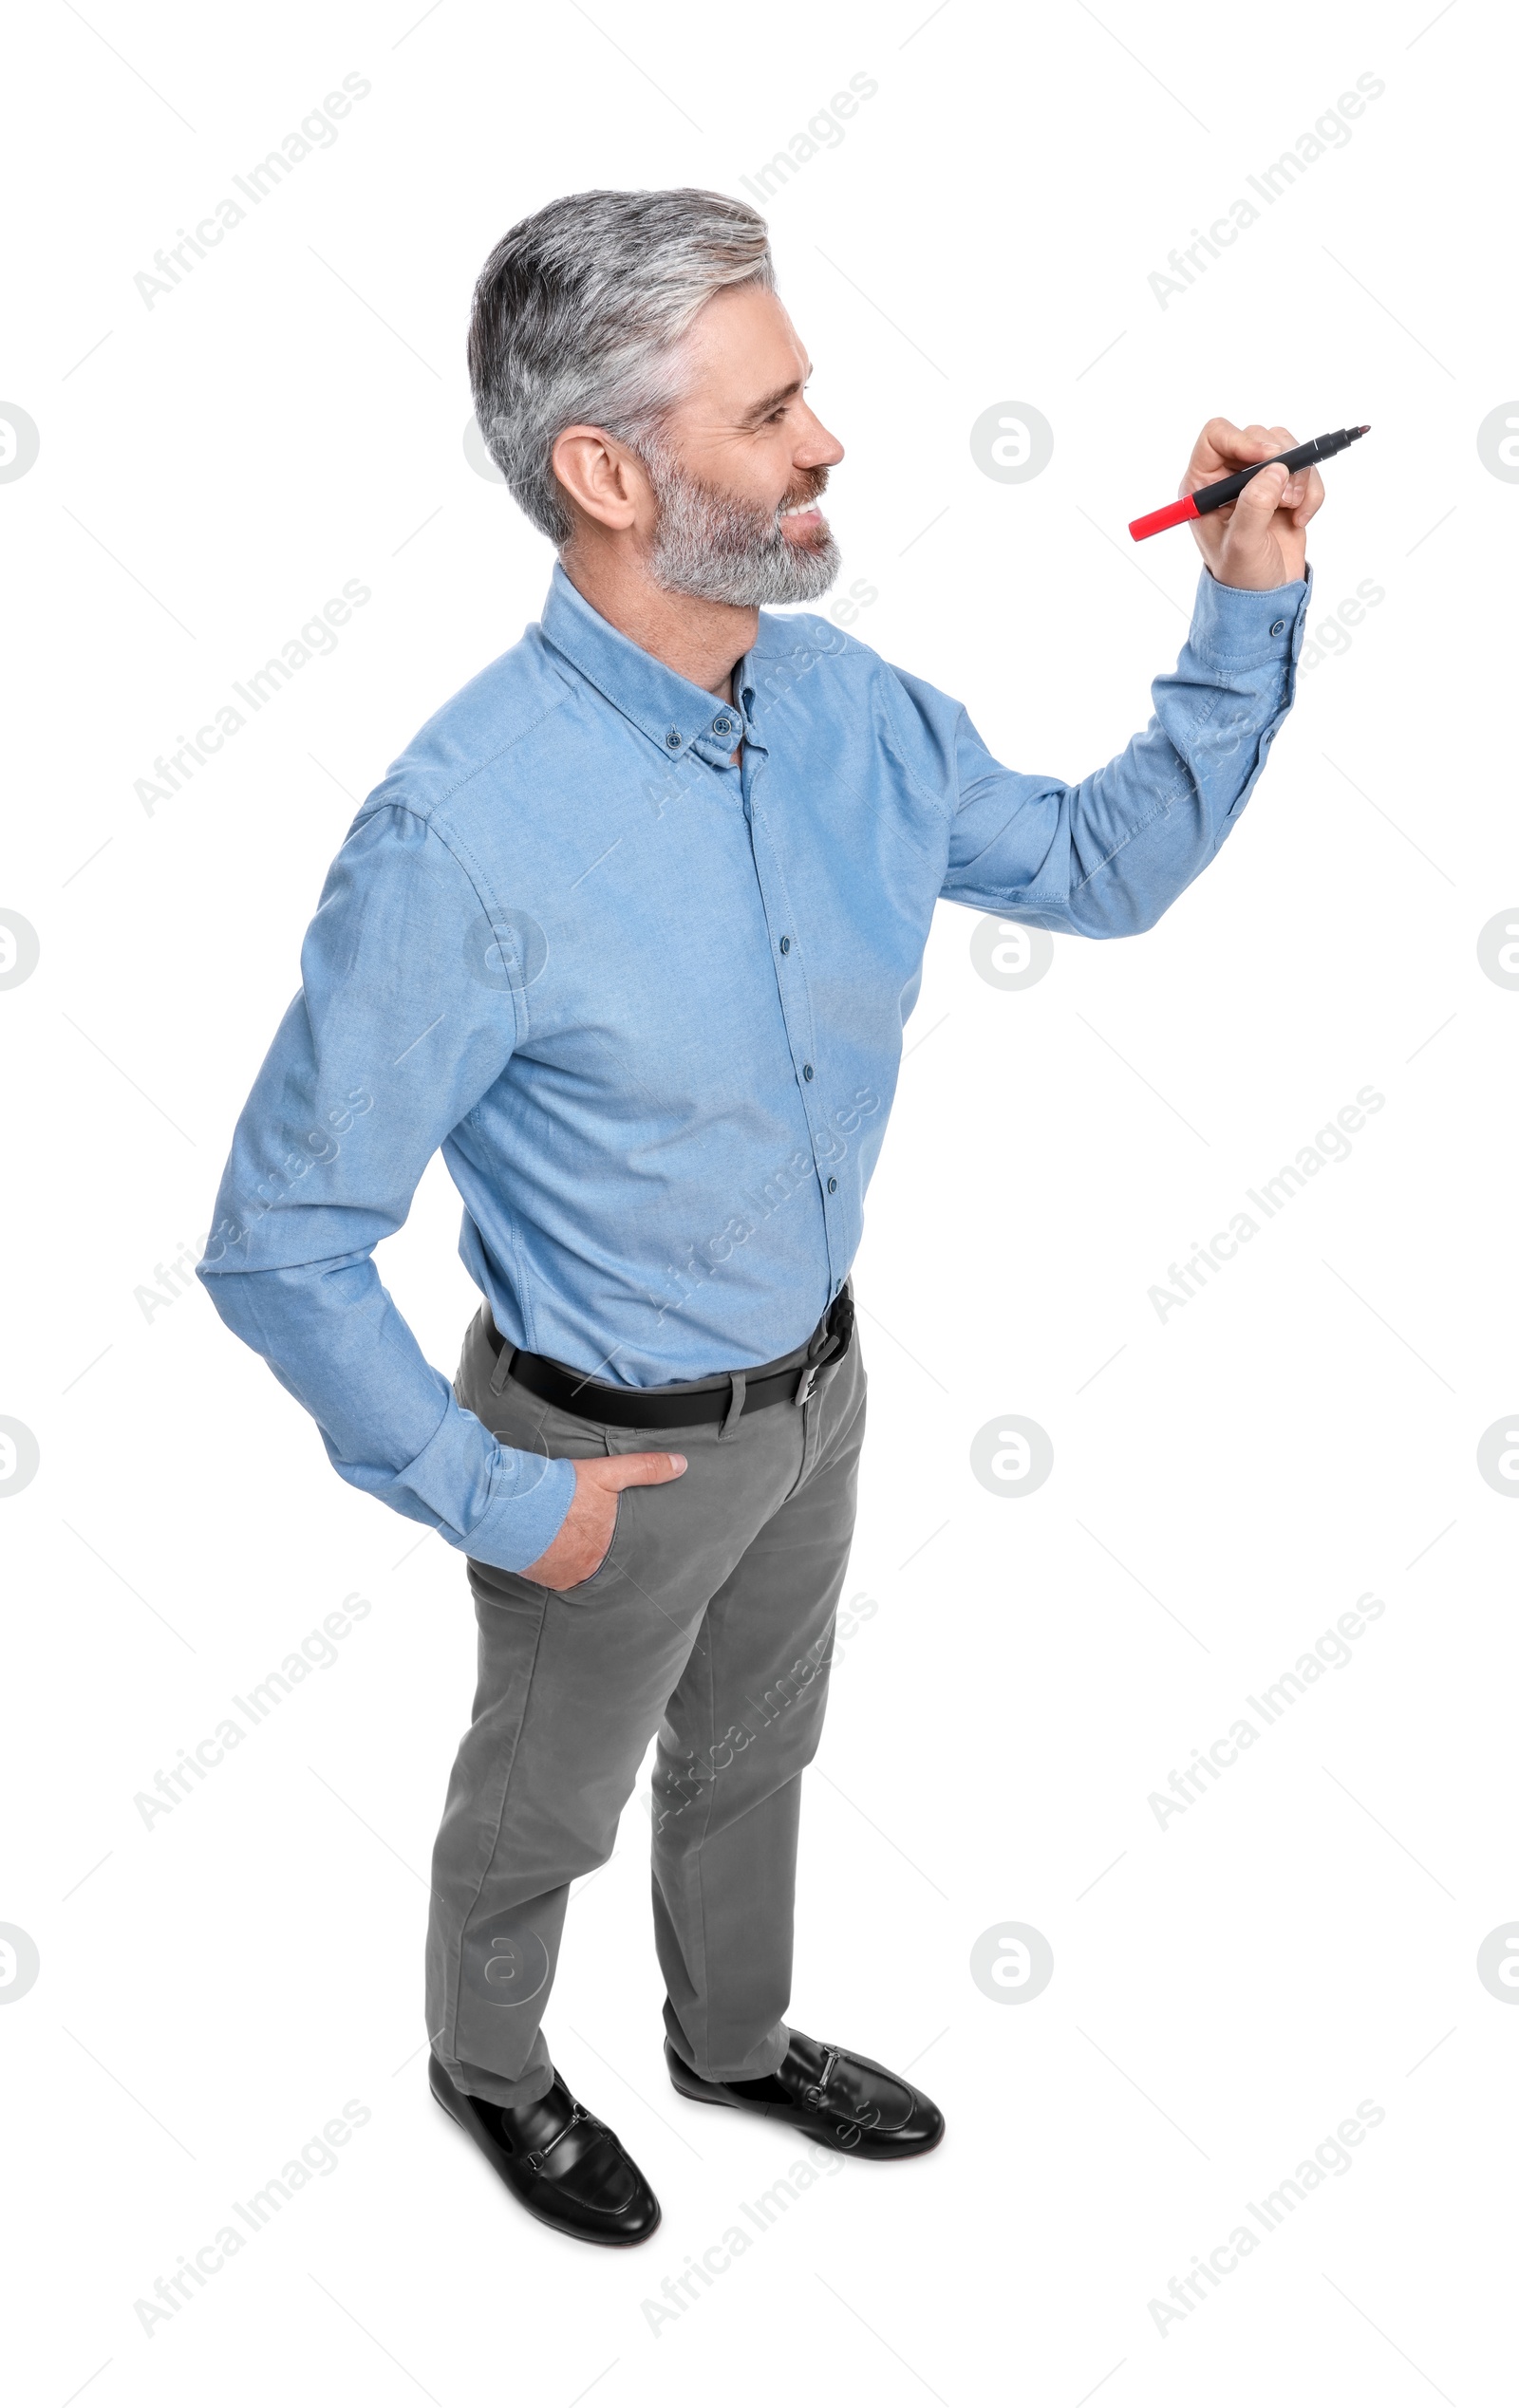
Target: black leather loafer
563 2163
845 2102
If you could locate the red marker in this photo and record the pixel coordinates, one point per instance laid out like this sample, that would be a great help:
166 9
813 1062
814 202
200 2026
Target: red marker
1214 496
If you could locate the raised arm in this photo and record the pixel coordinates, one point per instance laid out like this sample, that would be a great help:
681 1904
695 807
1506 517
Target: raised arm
1104 857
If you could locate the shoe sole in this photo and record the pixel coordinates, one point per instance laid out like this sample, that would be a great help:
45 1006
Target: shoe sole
814 2130
566 2231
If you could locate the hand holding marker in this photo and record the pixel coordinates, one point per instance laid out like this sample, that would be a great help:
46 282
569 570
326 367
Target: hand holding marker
1228 487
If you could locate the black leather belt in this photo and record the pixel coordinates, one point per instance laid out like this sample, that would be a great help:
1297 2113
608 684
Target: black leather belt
667 1408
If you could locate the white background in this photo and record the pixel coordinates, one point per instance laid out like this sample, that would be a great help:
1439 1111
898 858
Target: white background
1226 1482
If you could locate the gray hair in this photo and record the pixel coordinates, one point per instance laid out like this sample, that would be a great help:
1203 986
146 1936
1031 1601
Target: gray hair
574 314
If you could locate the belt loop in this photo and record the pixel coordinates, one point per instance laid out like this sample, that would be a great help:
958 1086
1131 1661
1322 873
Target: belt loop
739 1381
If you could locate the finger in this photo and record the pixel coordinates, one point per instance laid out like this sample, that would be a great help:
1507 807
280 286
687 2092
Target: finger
1222 447
1281 438
1214 445
642 1471
1309 499
1267 442
1260 501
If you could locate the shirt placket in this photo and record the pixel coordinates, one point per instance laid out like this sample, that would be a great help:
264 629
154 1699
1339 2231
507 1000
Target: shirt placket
790 968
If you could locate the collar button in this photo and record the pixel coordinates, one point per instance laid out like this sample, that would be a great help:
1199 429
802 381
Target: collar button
673 740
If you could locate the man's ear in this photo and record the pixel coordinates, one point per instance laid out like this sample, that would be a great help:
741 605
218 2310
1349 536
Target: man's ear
600 476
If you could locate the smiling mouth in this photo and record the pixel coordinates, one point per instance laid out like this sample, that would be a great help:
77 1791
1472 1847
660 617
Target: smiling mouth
801 518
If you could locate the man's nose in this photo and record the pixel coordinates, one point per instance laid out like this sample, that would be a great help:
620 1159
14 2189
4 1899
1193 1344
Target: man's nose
817 448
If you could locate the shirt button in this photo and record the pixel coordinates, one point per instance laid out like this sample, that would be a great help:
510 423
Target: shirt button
806 1070
785 944
723 727
673 740
1277 626
833 1186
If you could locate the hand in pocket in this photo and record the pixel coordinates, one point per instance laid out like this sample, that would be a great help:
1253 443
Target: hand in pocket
579 1546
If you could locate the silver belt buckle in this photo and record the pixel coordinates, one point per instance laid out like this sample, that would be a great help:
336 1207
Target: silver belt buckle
808 1383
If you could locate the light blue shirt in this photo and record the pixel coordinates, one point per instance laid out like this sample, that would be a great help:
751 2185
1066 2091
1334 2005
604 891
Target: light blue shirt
651 1005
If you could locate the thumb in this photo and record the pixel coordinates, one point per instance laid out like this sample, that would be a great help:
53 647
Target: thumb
1261 500
642 1471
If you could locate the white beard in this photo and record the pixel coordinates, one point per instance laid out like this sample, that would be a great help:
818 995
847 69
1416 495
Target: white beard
717 549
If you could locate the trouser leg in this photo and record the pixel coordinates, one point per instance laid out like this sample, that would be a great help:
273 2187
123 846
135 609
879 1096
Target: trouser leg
572 1688
741 1724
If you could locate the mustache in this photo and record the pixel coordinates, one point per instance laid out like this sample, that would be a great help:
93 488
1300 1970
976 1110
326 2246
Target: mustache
815 483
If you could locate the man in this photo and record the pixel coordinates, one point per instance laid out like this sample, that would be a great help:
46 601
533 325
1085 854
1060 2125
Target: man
631 931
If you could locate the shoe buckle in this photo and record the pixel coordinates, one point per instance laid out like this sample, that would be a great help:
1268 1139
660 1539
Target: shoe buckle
535 2158
816 2093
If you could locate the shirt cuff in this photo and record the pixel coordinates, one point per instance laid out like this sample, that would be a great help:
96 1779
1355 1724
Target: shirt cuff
521 1497
1237 623
519 1522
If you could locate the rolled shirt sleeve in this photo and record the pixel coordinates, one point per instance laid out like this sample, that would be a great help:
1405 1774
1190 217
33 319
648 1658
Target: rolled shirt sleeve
1106 857
392 1040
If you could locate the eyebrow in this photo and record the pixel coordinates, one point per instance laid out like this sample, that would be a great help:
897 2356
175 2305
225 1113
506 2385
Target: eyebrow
782 393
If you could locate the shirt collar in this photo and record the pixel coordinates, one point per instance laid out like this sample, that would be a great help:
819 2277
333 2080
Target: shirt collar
675 715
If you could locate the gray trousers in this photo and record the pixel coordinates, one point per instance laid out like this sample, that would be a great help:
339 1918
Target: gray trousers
710 1622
